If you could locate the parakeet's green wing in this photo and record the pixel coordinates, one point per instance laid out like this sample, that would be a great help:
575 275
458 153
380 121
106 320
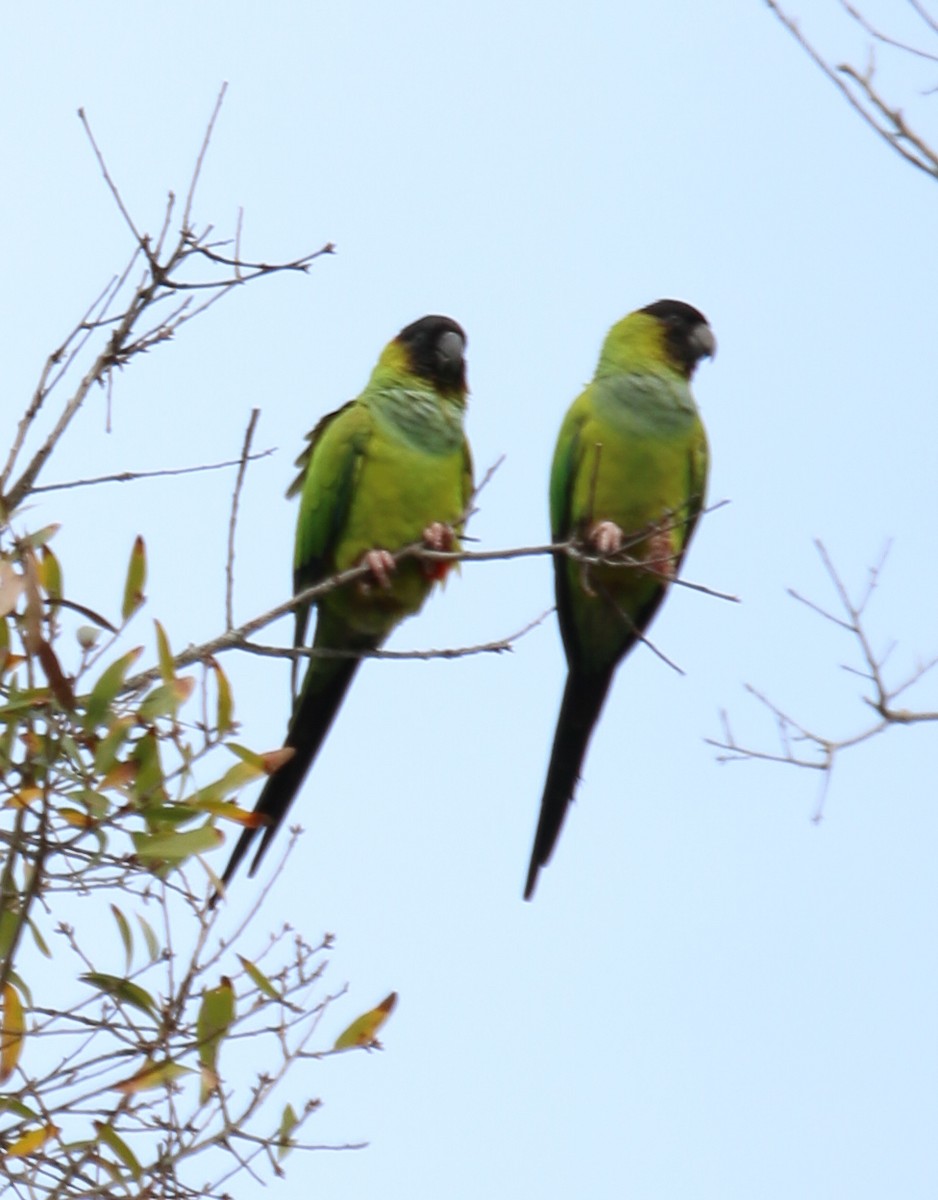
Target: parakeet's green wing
329 470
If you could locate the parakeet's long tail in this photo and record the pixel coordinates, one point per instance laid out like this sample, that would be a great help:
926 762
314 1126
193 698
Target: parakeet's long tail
322 695
579 711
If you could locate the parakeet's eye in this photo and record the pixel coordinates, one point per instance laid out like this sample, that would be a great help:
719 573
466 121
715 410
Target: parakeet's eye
450 347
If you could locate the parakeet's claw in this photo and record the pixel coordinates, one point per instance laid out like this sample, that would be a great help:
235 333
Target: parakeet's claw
606 538
381 564
439 536
661 554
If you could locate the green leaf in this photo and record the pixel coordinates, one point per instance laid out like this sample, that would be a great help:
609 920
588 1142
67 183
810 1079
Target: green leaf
122 990
216 1013
10 1104
224 712
233 780
246 755
123 927
153 945
166 699
164 654
40 941
108 685
259 979
110 745
136 580
147 785
177 846
124 1153
288 1122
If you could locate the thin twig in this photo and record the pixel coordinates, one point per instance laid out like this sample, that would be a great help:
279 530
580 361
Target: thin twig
190 195
133 476
500 646
233 520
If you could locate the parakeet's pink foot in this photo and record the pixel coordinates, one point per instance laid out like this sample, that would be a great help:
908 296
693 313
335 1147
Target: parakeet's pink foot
606 538
381 564
438 536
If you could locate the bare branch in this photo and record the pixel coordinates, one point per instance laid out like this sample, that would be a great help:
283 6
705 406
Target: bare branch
823 751
884 118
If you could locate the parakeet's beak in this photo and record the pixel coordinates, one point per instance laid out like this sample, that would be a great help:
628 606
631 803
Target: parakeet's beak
704 342
450 349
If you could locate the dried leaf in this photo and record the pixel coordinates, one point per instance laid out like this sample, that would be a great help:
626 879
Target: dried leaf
11 587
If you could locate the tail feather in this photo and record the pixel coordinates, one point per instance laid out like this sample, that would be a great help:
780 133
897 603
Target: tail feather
582 703
322 695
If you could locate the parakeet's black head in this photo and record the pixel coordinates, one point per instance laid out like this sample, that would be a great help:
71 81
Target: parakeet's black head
436 348
688 336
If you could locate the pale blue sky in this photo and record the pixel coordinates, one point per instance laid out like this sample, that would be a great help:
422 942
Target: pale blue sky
710 995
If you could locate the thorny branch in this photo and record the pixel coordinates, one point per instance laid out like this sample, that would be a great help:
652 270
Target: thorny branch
860 89
799 746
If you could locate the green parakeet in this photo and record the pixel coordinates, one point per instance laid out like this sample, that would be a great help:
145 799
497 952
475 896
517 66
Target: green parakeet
388 469
629 474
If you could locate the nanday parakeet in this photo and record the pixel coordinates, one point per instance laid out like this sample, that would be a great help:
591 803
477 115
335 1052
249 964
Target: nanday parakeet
629 473
388 469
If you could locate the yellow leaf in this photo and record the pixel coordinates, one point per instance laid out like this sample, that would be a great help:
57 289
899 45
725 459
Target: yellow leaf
77 819
31 1141
12 1031
50 574
24 797
151 1075
363 1031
